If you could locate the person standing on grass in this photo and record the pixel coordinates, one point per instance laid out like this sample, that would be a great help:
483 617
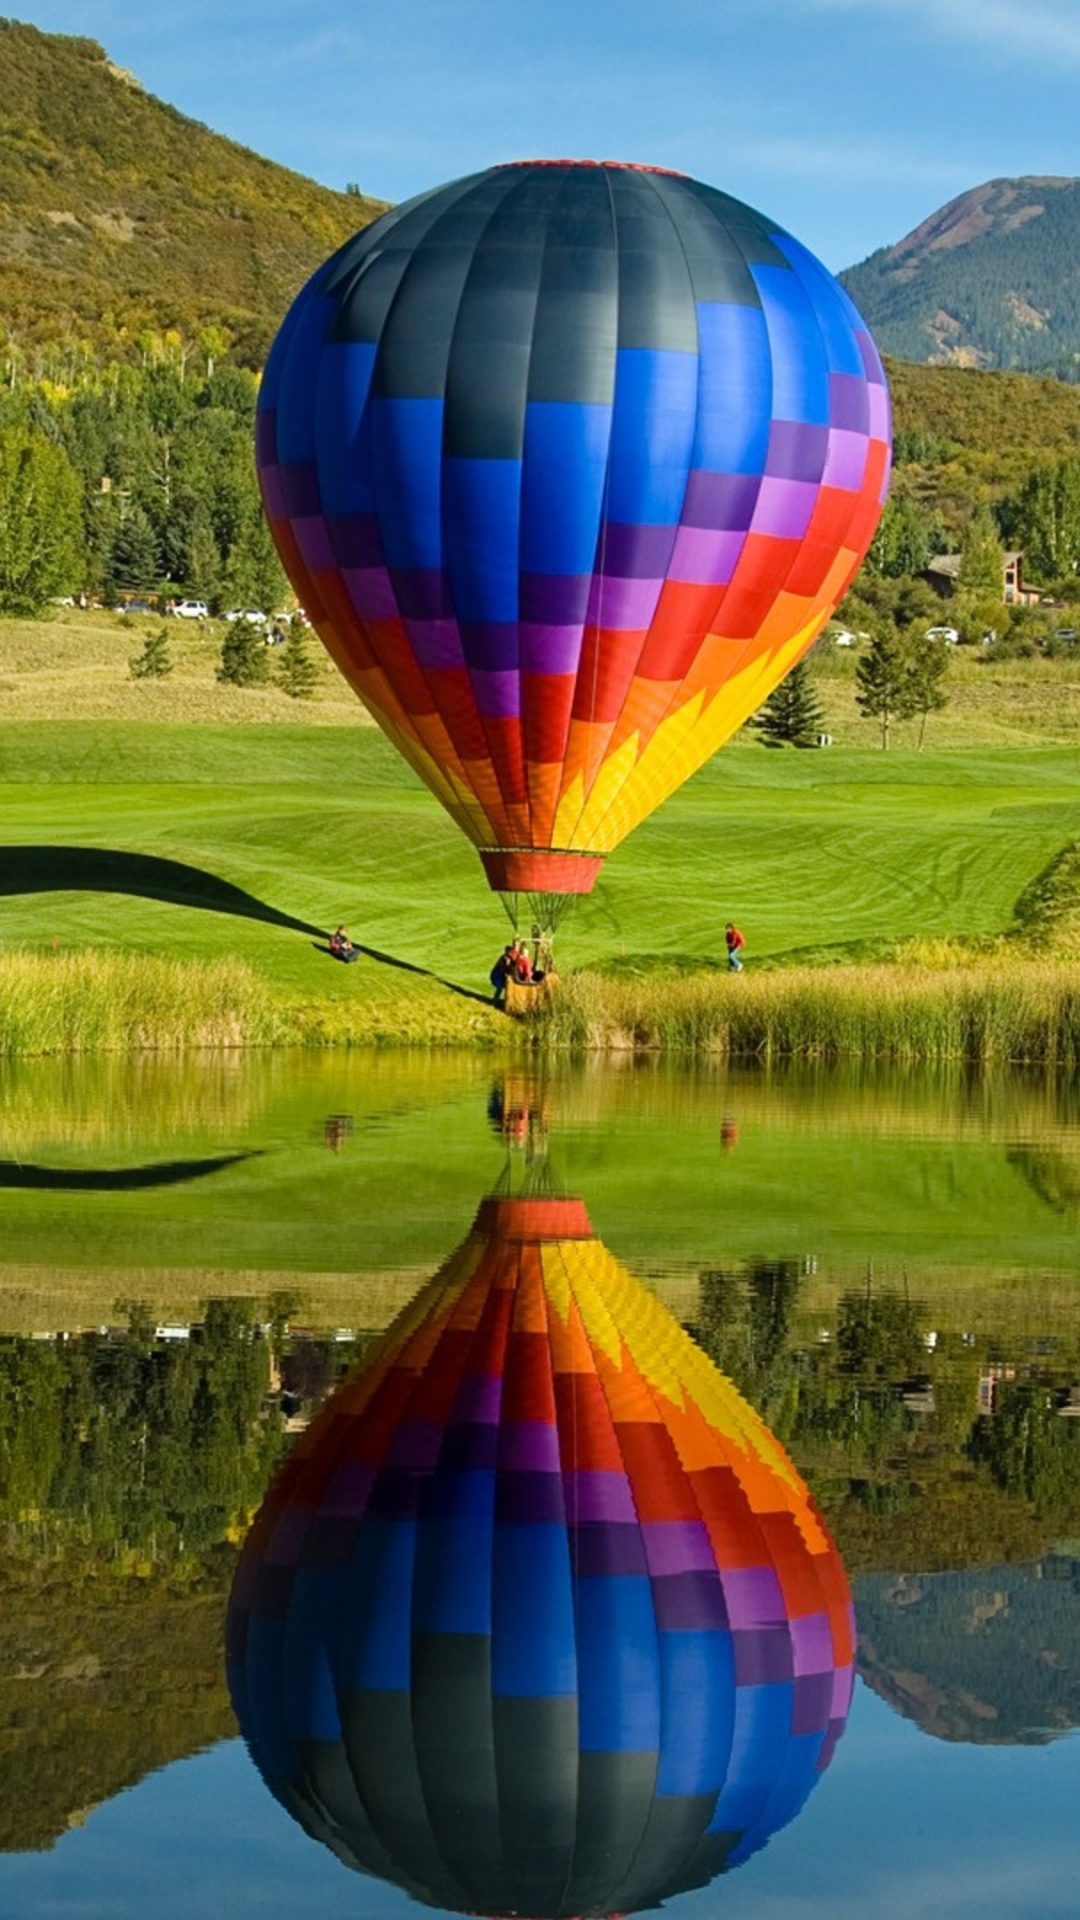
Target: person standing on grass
735 943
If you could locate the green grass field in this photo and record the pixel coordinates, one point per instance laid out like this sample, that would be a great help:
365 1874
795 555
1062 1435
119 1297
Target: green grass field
203 823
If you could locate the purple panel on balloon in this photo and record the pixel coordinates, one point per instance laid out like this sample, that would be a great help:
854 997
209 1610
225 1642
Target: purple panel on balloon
554 599
283 1549
846 463
550 649
811 1640
300 487
722 500
797 450
415 1444
371 591
674 1546
599 1496
689 1602
348 1489
785 507
753 1597
529 1446
313 541
497 694
603 1549
436 643
489 646
479 1398
879 413
813 1702
627 606
469 1444
762 1655
637 552
848 404
273 493
533 1499
356 540
704 557
422 593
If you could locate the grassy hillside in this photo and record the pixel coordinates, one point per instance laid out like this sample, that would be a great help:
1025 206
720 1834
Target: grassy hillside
118 214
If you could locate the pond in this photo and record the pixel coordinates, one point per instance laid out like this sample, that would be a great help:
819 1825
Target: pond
452 1424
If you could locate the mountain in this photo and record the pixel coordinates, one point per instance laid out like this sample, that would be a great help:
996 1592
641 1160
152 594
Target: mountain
990 280
120 215
989 1656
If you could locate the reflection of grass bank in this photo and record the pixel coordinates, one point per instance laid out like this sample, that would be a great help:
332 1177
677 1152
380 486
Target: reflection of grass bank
987 1012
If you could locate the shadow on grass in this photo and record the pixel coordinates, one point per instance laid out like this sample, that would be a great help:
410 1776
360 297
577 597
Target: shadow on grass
107 870
168 1173
409 966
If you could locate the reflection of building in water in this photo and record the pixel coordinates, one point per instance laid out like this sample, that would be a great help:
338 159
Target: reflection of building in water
990 1379
538 1617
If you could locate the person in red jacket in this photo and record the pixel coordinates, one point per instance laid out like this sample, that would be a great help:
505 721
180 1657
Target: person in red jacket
735 943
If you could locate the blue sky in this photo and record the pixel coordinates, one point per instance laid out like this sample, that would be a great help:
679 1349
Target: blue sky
846 120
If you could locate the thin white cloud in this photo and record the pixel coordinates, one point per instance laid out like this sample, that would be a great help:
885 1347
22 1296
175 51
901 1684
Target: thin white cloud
1026 30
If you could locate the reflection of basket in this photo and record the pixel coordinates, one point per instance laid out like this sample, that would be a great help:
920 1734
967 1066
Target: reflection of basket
523 999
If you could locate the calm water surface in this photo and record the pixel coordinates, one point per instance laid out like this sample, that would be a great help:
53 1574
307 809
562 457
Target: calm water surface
195 1258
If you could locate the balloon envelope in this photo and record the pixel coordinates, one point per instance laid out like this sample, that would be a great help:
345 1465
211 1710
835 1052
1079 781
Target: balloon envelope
539 1618
568 464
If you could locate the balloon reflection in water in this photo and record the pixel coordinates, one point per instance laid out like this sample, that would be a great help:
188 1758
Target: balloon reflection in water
538 1617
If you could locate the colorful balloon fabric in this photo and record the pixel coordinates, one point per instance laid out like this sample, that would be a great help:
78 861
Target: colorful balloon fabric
538 1618
569 463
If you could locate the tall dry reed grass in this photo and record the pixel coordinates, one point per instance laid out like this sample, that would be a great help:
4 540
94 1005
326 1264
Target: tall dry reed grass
125 1003
1006 1012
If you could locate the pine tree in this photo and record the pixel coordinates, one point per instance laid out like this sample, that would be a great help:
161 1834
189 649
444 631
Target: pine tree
884 687
244 658
792 713
154 662
928 664
297 674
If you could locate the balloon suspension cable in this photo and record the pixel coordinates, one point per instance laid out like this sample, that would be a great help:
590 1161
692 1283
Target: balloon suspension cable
546 911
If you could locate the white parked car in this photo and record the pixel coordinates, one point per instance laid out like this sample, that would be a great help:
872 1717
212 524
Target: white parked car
192 610
249 614
948 634
842 637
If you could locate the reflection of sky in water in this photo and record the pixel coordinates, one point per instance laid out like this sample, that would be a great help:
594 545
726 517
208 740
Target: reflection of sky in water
900 1825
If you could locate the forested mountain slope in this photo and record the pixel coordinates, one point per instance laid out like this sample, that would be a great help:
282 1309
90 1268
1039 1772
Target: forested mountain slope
990 280
118 214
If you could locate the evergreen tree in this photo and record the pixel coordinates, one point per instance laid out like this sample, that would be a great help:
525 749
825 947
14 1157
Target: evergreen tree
982 558
928 665
40 521
154 662
244 658
792 713
134 560
884 687
297 674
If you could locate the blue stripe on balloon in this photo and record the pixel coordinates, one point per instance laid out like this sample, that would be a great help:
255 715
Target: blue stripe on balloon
406 450
562 488
343 428
793 1783
482 522
533 1642
310 1705
375 1651
762 1732
452 1587
619 1667
299 378
734 406
266 1729
799 363
836 316
698 1694
652 435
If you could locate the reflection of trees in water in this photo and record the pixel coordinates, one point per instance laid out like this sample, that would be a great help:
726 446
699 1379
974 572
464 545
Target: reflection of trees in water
157 1446
915 1462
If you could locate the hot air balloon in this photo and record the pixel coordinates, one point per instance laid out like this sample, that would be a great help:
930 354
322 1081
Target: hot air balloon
569 463
538 1617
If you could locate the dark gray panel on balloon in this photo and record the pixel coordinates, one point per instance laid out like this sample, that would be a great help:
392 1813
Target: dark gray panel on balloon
656 297
487 377
452 1721
752 230
675 1829
615 1792
715 260
378 1737
575 333
415 343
